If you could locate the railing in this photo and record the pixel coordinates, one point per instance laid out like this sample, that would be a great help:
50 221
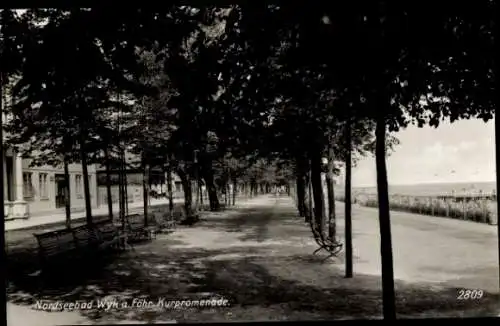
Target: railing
474 207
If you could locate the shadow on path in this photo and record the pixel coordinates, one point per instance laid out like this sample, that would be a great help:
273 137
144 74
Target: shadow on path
249 257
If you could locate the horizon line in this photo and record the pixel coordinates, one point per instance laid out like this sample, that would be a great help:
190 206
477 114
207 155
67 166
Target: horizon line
423 183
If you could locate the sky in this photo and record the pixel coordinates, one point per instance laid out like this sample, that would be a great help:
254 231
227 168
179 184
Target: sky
460 152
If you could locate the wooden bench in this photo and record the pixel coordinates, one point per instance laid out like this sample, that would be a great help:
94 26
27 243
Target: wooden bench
165 222
77 243
136 229
109 235
86 238
155 225
56 244
333 248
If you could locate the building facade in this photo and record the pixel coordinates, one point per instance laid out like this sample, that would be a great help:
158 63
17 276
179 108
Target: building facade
12 176
134 186
31 191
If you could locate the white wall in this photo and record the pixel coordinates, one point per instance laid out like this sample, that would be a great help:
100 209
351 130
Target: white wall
37 203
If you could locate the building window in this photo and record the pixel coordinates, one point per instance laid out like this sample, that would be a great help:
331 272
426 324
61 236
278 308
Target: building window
42 184
78 185
27 185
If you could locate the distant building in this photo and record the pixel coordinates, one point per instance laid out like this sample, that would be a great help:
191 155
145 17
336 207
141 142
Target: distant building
134 180
34 191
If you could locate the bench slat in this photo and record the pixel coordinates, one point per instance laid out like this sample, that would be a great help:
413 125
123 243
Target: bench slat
56 242
77 240
108 233
86 236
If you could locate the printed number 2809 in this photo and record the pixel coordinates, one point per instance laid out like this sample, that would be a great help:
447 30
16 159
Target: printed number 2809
470 294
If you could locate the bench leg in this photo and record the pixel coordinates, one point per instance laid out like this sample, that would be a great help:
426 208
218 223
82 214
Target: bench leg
126 245
333 254
317 250
328 257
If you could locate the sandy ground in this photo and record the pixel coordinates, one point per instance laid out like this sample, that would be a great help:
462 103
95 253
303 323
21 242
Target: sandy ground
259 257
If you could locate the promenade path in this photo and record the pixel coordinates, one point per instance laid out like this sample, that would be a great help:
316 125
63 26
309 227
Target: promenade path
259 257
443 251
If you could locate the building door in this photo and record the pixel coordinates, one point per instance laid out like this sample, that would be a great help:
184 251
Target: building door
60 191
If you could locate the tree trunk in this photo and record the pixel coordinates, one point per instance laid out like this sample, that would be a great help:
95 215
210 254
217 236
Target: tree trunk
145 190
309 203
3 310
198 194
330 187
348 205
235 185
125 184
226 197
86 186
497 155
169 189
67 194
200 190
108 184
188 195
319 205
389 306
149 183
332 221
121 192
301 176
210 184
